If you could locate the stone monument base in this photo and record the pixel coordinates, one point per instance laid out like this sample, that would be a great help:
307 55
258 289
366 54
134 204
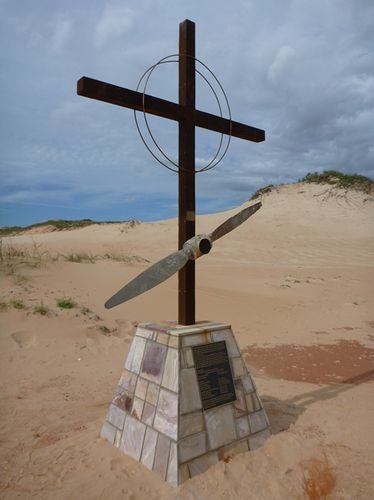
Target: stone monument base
185 400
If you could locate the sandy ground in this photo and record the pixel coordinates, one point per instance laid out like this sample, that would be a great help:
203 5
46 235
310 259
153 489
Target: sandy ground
296 282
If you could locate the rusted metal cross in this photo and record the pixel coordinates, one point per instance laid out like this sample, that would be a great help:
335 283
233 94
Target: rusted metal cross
188 117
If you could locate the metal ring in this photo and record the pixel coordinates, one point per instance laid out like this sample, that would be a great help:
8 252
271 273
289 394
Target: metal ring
209 165
147 75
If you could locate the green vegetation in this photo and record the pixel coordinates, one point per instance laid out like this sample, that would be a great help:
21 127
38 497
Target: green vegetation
41 309
66 303
332 177
340 180
104 329
127 259
14 257
80 257
262 191
57 224
9 230
18 304
3 306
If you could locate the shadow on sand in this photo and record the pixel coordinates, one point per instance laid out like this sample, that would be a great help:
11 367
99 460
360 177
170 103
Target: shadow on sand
283 413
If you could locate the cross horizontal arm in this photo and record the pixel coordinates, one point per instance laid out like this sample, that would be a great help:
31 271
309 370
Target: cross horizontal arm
101 91
225 126
126 98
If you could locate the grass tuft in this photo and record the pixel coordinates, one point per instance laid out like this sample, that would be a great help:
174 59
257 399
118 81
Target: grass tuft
262 191
18 304
127 259
104 329
66 303
340 180
59 225
12 258
80 257
41 309
3 306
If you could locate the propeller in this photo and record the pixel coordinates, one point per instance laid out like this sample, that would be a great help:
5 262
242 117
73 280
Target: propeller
166 267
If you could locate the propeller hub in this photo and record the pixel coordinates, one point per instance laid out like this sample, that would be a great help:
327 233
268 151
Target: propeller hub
205 245
197 246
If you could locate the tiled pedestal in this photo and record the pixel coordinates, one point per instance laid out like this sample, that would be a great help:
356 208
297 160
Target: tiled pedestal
157 417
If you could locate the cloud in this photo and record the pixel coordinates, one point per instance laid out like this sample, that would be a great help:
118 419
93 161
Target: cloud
282 62
52 31
115 21
61 28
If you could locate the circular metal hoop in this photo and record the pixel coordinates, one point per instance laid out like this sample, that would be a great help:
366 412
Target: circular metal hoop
145 77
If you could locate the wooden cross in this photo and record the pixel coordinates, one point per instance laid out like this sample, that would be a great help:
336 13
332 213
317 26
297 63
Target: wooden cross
188 117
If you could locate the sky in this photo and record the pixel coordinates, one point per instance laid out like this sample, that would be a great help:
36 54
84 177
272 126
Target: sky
303 71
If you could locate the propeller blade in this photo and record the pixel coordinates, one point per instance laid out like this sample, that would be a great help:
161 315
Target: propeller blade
151 277
234 221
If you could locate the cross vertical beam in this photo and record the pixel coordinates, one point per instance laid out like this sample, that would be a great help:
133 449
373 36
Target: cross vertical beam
186 174
188 117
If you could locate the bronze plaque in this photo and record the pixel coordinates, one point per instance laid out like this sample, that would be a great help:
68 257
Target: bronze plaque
214 374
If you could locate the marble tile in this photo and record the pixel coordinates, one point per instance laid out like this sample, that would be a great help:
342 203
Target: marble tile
132 437
191 447
238 367
231 345
190 340
127 381
220 426
247 384
242 427
240 407
123 400
191 424
163 338
202 464
258 440
149 448
117 439
174 341
166 419
161 456
108 432
116 416
253 403
137 408
257 421
153 361
152 394
156 327
172 473
215 327
170 380
135 356
148 414
185 331
143 332
188 358
183 474
141 388
190 395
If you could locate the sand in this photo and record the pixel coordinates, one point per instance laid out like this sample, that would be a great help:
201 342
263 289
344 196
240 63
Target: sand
295 281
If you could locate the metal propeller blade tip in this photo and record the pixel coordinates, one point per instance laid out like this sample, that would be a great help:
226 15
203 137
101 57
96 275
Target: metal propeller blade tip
234 221
150 278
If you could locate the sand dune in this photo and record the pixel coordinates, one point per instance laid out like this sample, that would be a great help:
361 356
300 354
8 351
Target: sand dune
296 283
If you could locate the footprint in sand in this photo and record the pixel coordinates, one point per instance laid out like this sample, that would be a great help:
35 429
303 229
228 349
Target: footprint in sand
24 339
